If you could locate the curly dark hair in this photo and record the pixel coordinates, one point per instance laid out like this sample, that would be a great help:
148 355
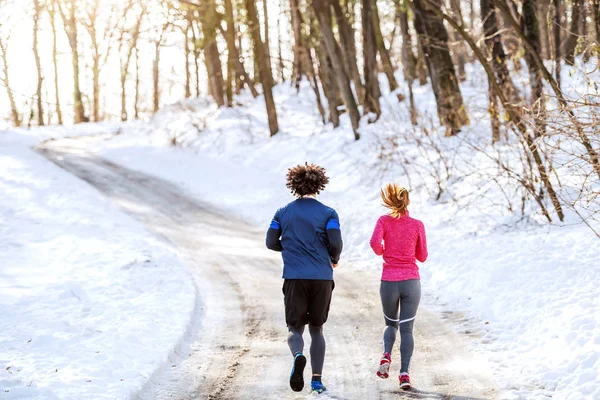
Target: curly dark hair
307 179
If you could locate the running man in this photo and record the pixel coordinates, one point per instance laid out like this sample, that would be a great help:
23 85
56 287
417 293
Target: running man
308 235
401 240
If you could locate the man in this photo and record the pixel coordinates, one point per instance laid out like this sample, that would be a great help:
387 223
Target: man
308 235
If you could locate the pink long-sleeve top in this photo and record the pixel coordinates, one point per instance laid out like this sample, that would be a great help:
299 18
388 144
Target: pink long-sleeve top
401 241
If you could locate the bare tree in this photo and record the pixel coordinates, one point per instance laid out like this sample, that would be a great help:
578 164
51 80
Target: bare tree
209 19
101 47
531 32
384 53
574 31
136 96
52 12
493 40
67 12
233 51
197 51
186 53
372 91
266 30
264 69
408 57
348 46
557 43
159 34
16 119
595 6
127 46
434 39
542 10
334 53
459 49
300 66
36 18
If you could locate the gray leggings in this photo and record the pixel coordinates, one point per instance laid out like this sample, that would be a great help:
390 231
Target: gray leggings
317 346
405 295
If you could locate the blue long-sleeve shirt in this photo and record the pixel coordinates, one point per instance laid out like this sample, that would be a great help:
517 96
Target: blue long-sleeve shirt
308 234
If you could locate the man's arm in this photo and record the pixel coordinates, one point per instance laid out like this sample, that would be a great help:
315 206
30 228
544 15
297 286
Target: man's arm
274 235
334 236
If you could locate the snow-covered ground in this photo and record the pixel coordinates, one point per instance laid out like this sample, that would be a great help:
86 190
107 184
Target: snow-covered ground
525 291
91 304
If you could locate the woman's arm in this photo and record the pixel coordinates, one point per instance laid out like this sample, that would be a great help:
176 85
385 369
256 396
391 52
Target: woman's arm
421 250
377 238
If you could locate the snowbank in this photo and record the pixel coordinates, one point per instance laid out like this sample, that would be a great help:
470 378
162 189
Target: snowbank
91 304
525 292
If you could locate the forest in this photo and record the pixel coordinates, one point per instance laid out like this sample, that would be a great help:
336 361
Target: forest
123 60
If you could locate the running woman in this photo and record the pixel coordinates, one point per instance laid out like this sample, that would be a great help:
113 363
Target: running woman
401 240
308 235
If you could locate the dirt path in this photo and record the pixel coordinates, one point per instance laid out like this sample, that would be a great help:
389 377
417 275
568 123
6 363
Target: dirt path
238 348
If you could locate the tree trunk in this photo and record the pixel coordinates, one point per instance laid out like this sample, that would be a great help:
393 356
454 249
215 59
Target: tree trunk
333 51
494 114
156 77
136 99
434 39
90 26
280 66
300 51
348 47
70 24
38 64
55 62
574 32
459 49
542 8
493 40
372 91
312 74
421 61
135 34
197 51
596 17
531 31
264 65
267 38
186 53
209 20
6 82
329 85
408 57
384 53
233 51
298 46
156 68
557 44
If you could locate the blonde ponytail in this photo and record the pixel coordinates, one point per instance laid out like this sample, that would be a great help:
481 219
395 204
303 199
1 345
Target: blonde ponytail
395 198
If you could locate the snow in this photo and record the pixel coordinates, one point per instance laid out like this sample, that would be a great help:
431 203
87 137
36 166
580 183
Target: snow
91 303
524 291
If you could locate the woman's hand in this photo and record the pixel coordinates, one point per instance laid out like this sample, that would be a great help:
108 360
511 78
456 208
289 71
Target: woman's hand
334 265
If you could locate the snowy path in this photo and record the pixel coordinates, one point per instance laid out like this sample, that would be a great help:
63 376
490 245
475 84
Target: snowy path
239 349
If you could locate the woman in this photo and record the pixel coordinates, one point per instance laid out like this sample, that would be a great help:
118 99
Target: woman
401 240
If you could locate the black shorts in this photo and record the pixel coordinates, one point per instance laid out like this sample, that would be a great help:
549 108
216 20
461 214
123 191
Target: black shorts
306 301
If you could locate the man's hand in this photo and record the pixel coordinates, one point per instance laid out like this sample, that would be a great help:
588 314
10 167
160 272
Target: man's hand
334 265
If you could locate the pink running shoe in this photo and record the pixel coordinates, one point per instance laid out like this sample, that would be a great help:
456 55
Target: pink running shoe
404 381
384 366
